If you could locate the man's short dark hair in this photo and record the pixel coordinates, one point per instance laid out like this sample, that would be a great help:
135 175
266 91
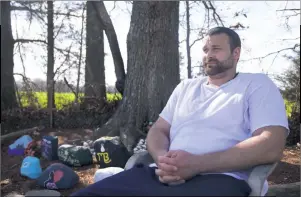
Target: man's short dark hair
233 36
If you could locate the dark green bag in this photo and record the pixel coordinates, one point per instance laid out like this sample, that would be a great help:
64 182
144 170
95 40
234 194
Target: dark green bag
72 155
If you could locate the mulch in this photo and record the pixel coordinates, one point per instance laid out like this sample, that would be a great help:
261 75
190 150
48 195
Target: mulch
287 171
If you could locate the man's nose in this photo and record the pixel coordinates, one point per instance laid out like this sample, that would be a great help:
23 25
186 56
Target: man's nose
209 55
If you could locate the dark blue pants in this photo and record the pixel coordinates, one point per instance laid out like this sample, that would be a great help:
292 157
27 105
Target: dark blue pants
142 181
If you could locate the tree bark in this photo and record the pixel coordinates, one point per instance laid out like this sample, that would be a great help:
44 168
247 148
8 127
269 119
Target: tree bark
152 71
50 60
95 83
188 39
107 24
8 92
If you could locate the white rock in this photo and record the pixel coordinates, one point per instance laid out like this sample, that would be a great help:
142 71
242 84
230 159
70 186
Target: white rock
106 172
85 144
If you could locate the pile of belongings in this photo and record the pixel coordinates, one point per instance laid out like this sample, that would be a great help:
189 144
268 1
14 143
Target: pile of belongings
110 154
33 149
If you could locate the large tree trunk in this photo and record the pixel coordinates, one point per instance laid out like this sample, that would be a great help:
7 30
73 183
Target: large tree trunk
8 93
152 69
50 60
95 83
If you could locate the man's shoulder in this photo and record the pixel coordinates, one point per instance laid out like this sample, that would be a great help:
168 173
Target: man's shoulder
193 81
256 78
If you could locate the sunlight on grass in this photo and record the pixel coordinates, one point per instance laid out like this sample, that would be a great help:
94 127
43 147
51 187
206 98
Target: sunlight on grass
61 99
289 107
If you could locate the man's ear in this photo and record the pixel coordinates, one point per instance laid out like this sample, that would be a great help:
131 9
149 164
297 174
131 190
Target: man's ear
236 53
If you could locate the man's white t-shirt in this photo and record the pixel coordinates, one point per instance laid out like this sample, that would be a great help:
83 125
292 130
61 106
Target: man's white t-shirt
206 118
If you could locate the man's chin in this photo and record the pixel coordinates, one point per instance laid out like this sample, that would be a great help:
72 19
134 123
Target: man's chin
212 72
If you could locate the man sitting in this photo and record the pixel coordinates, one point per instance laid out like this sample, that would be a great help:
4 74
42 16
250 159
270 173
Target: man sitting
211 133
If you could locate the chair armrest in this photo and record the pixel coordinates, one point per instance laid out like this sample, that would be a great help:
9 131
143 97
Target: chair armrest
139 158
258 176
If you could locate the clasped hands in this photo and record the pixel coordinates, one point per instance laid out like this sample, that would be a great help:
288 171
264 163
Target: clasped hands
176 166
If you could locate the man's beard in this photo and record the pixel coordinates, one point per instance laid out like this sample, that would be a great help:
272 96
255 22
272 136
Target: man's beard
218 67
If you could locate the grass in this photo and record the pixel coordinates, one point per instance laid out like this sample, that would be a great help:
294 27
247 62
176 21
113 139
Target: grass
61 99
289 107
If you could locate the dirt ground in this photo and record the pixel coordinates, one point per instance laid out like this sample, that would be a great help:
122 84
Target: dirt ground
288 170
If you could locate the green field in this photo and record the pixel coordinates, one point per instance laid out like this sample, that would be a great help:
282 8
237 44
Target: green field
61 99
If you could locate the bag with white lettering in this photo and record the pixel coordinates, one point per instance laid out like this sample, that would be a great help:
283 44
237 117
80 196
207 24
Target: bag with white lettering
110 152
76 156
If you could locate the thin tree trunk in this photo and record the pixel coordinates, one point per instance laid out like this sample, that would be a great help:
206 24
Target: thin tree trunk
50 61
8 92
95 69
188 39
107 24
152 71
80 55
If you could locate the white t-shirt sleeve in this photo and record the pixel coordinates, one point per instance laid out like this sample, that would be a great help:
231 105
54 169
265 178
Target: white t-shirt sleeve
169 109
266 105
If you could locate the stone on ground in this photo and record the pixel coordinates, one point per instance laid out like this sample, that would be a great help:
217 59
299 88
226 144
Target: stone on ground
285 190
44 192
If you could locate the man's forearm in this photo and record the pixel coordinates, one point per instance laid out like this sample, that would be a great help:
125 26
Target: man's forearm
249 153
157 143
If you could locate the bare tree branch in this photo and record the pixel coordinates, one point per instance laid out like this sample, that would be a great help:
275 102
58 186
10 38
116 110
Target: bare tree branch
113 7
215 14
25 8
196 40
32 11
211 7
69 86
275 52
67 57
45 42
293 9
61 26
19 49
182 41
291 39
29 40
